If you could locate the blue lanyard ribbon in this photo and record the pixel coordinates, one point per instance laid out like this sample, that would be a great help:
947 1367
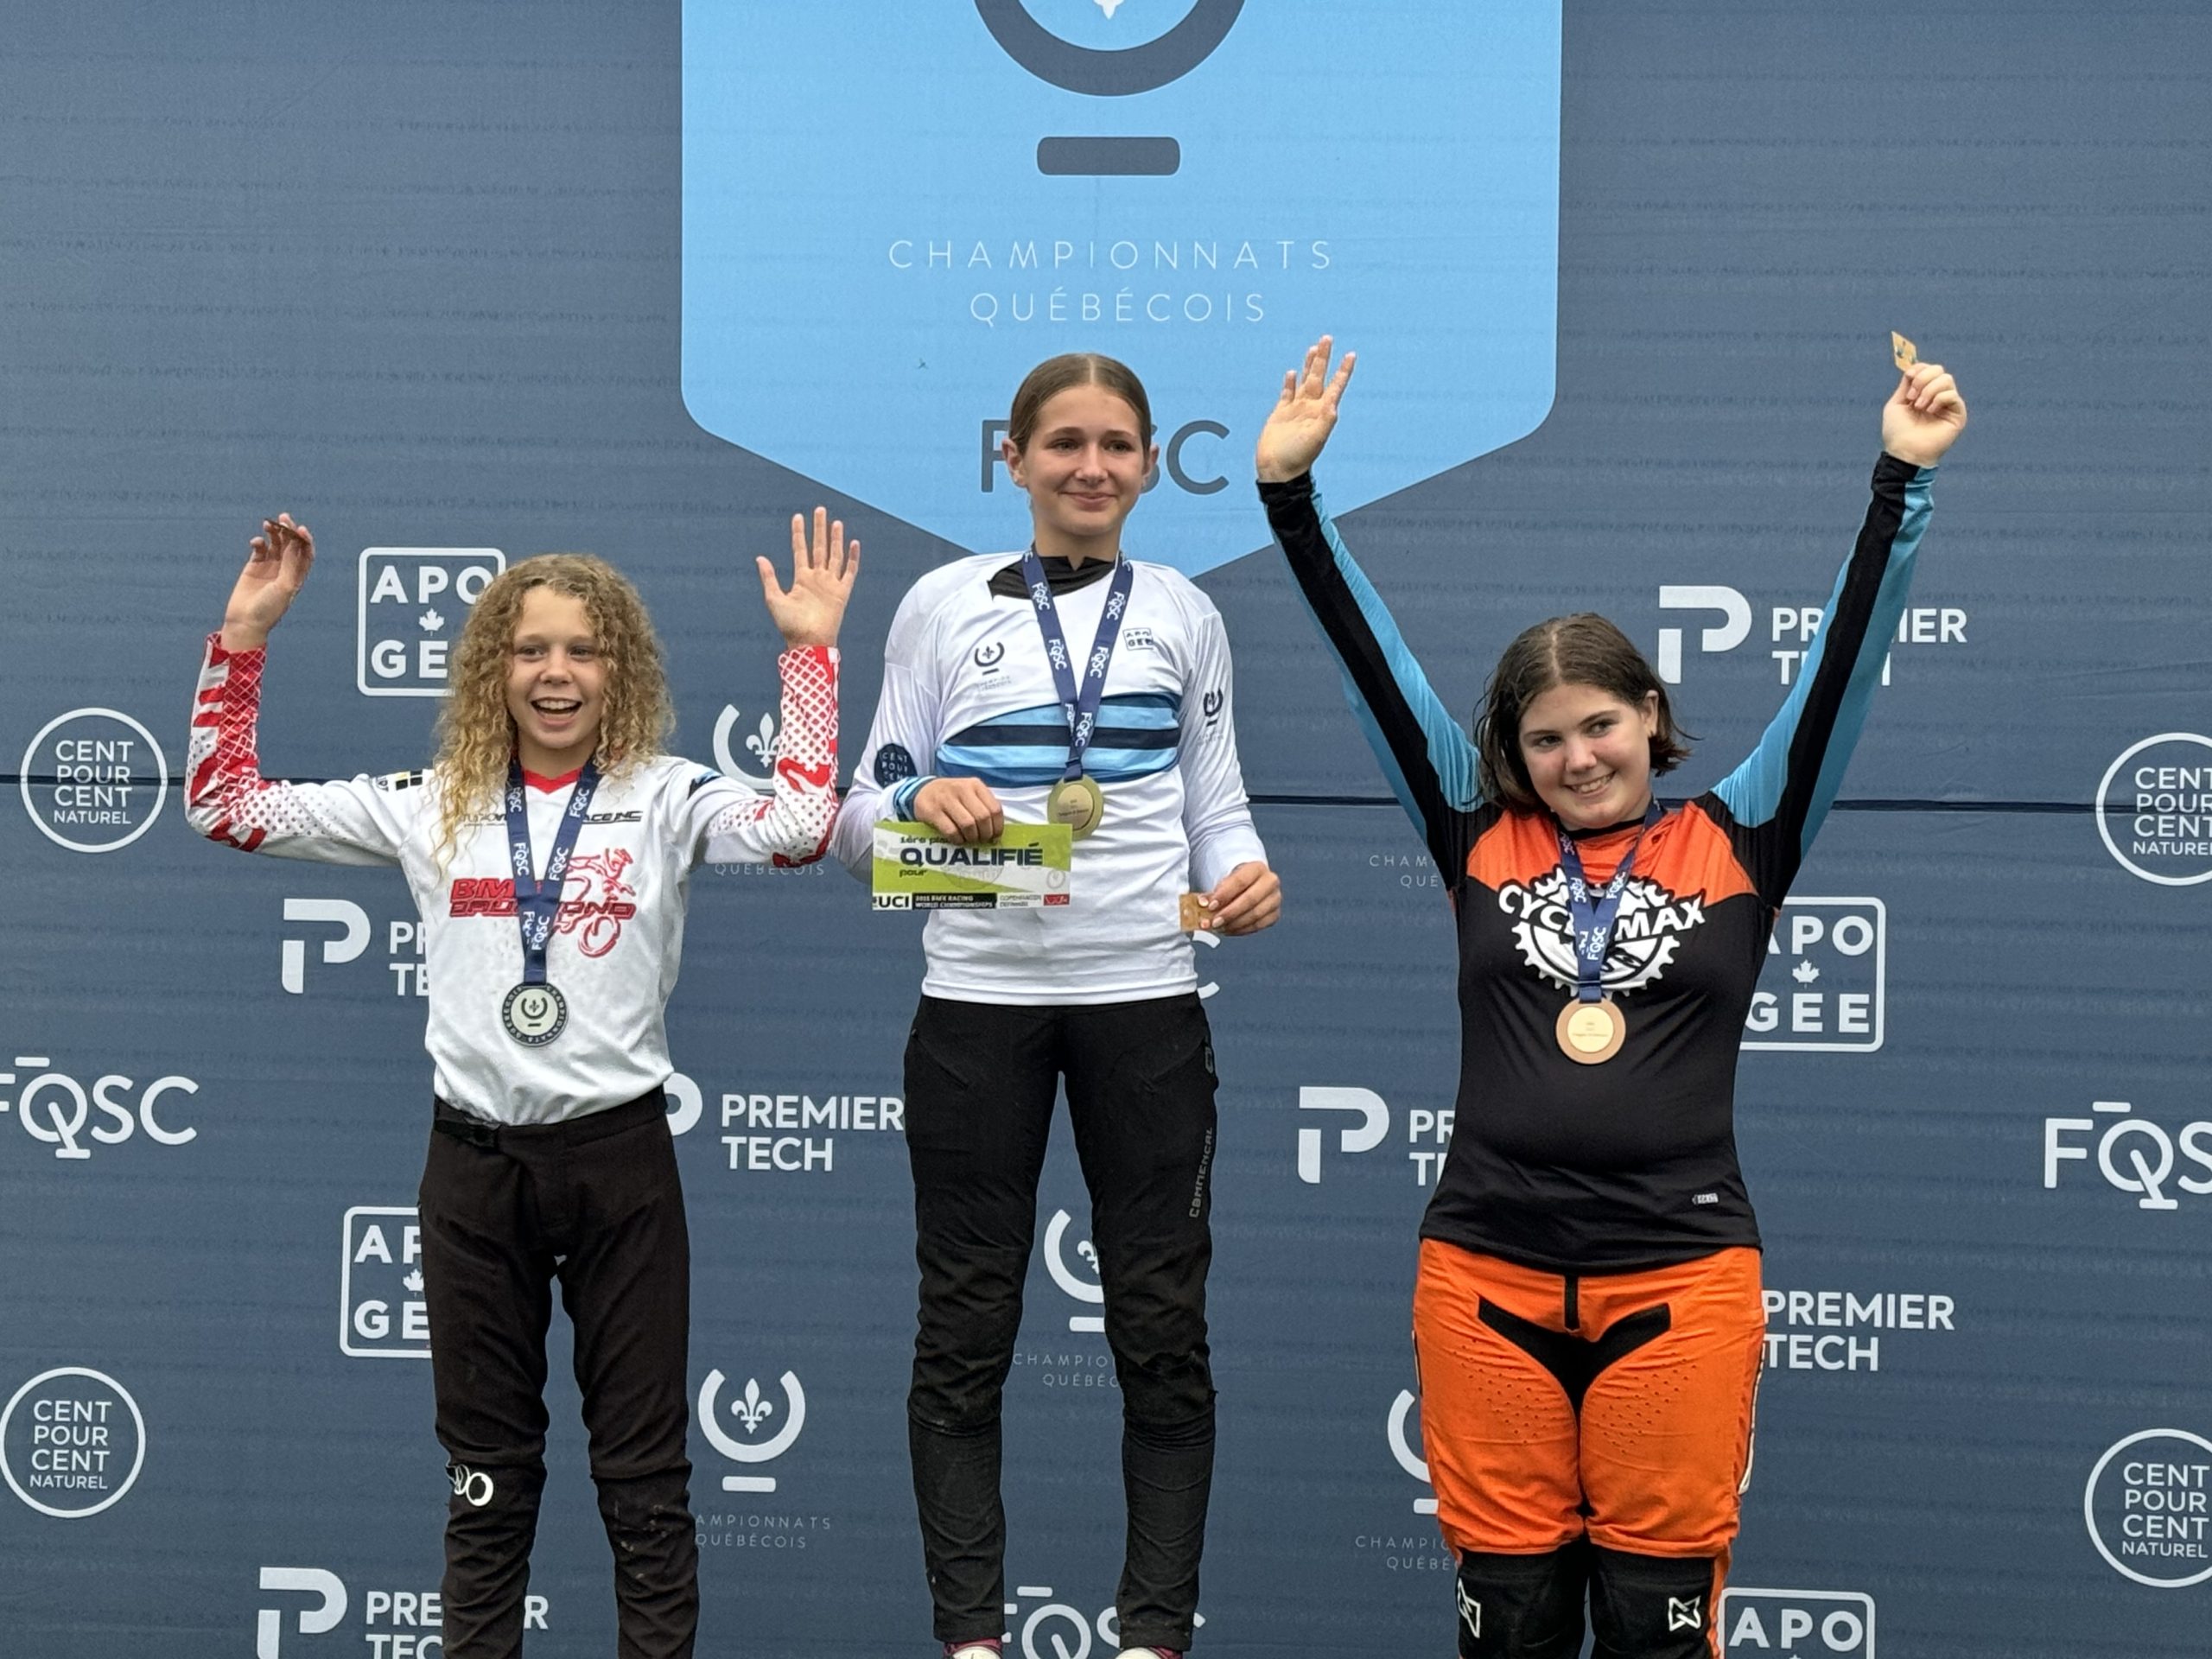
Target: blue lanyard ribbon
1593 918
537 903
1082 704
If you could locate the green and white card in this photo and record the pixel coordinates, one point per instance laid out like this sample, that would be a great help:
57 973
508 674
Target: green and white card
916 869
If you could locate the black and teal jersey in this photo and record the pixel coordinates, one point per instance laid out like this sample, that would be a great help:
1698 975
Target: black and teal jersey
1631 1163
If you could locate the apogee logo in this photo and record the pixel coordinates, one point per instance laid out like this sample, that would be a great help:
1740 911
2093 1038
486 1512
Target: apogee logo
1057 1629
1374 1124
413 602
381 1311
1797 1623
1790 629
2135 1155
1405 1445
2148 1506
93 781
71 1442
2154 810
767 1431
1822 987
1095 192
328 1588
57 1109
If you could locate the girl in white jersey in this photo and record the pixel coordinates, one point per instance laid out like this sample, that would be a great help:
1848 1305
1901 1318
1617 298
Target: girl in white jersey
1076 684
548 850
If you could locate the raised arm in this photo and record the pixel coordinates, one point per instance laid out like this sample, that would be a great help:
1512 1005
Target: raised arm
1781 792
731 823
226 797
1429 759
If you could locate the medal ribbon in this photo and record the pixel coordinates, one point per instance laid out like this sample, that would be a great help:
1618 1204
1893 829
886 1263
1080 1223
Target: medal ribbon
1081 703
537 903
1593 918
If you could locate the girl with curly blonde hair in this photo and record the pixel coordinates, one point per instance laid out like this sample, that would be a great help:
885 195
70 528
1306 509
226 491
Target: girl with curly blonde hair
548 850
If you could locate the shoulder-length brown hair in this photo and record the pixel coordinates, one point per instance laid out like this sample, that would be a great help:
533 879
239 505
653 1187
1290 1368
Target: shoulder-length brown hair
1583 649
1056 374
476 734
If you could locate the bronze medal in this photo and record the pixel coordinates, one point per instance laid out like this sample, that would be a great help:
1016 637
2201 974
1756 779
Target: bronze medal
1589 1033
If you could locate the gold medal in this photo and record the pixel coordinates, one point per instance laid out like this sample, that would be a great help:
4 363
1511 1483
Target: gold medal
1589 1033
1077 802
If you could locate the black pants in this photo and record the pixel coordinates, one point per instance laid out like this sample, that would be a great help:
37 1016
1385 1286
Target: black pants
595 1204
981 1080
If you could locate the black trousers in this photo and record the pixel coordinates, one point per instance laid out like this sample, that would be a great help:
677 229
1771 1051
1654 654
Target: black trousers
981 1080
595 1204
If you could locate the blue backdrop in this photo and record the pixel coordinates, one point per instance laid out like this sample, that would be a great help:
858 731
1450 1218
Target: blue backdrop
461 282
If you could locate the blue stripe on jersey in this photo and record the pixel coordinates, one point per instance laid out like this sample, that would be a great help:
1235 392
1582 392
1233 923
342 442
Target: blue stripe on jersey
1753 791
1450 753
1138 733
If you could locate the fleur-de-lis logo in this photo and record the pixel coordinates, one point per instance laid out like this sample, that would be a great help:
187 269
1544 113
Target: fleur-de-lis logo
761 745
1065 1274
753 1410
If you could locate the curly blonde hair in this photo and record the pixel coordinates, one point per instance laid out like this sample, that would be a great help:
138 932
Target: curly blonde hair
476 734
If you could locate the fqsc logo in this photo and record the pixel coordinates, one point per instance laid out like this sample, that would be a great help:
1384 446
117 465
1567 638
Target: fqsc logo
2139 1156
1005 180
413 602
56 1109
1797 1624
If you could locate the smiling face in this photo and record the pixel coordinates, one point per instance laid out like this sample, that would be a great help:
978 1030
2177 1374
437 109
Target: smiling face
556 683
1588 754
1084 467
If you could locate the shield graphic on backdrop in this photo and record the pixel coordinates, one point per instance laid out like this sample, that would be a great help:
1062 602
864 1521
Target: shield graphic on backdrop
892 212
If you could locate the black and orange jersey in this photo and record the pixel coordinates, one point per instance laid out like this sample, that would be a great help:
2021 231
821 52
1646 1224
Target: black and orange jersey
1630 1164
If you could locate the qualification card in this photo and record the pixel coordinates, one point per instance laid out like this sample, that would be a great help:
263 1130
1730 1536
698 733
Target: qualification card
1904 350
916 869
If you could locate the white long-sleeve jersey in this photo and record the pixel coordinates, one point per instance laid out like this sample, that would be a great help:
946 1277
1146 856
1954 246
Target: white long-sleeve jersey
619 936
967 692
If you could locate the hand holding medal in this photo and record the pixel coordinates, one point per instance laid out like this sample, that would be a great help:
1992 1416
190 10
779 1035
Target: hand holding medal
1925 415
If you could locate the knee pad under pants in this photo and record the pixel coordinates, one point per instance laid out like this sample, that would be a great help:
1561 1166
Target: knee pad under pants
649 1525
1523 1606
491 1523
1653 1606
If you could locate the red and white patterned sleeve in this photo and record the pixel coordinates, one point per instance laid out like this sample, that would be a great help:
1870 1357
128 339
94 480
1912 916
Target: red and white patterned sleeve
790 826
227 799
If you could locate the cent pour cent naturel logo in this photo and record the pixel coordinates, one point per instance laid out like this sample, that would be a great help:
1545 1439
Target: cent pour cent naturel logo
2149 1508
2154 810
71 1442
93 781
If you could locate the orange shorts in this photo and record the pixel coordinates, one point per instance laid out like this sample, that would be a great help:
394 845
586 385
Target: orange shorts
1617 1406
